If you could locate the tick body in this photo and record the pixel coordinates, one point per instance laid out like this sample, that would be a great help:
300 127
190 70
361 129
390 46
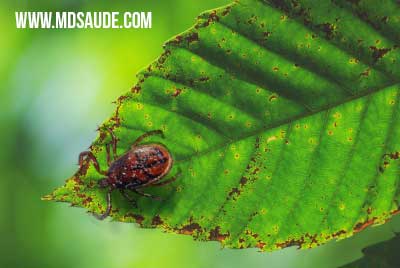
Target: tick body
141 166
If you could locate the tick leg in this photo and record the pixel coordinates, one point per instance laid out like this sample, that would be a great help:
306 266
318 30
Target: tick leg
90 156
164 182
161 183
147 195
125 194
108 210
108 154
145 135
113 143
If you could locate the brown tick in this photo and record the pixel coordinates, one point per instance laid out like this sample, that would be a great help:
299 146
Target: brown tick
142 166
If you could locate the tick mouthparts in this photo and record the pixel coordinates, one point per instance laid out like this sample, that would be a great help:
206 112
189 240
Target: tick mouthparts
103 183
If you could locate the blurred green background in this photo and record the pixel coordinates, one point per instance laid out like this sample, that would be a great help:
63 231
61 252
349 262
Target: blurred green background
56 88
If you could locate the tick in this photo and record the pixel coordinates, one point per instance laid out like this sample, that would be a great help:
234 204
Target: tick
143 165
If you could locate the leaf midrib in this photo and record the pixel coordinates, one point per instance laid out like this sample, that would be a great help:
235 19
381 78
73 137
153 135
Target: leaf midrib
283 122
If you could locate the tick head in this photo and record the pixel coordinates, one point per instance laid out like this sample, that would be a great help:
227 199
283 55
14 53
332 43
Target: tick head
103 183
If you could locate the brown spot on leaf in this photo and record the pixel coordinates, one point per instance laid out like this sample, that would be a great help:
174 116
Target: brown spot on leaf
338 233
328 29
77 180
80 195
256 170
273 97
266 34
396 212
192 37
243 181
204 79
138 218
164 56
362 225
116 118
393 156
387 158
136 89
378 53
177 92
156 220
86 201
190 228
366 72
226 11
216 235
290 243
261 245
212 16
234 191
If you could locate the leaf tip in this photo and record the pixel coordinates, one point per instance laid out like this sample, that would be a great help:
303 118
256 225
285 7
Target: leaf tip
48 197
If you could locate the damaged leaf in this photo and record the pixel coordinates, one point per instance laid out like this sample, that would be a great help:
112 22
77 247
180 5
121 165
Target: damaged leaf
283 118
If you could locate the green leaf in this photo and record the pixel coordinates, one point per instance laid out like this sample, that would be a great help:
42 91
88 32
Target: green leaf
283 117
384 255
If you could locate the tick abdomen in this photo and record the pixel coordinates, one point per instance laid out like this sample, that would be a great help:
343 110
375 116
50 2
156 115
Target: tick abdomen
140 165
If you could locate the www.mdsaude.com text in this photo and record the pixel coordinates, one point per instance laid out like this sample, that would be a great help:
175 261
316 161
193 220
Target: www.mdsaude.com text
82 20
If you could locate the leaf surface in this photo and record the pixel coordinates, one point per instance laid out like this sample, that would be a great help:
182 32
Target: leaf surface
283 118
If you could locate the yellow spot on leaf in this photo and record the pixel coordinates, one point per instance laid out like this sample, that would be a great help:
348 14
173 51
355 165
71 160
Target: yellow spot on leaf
139 106
337 115
272 138
353 61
